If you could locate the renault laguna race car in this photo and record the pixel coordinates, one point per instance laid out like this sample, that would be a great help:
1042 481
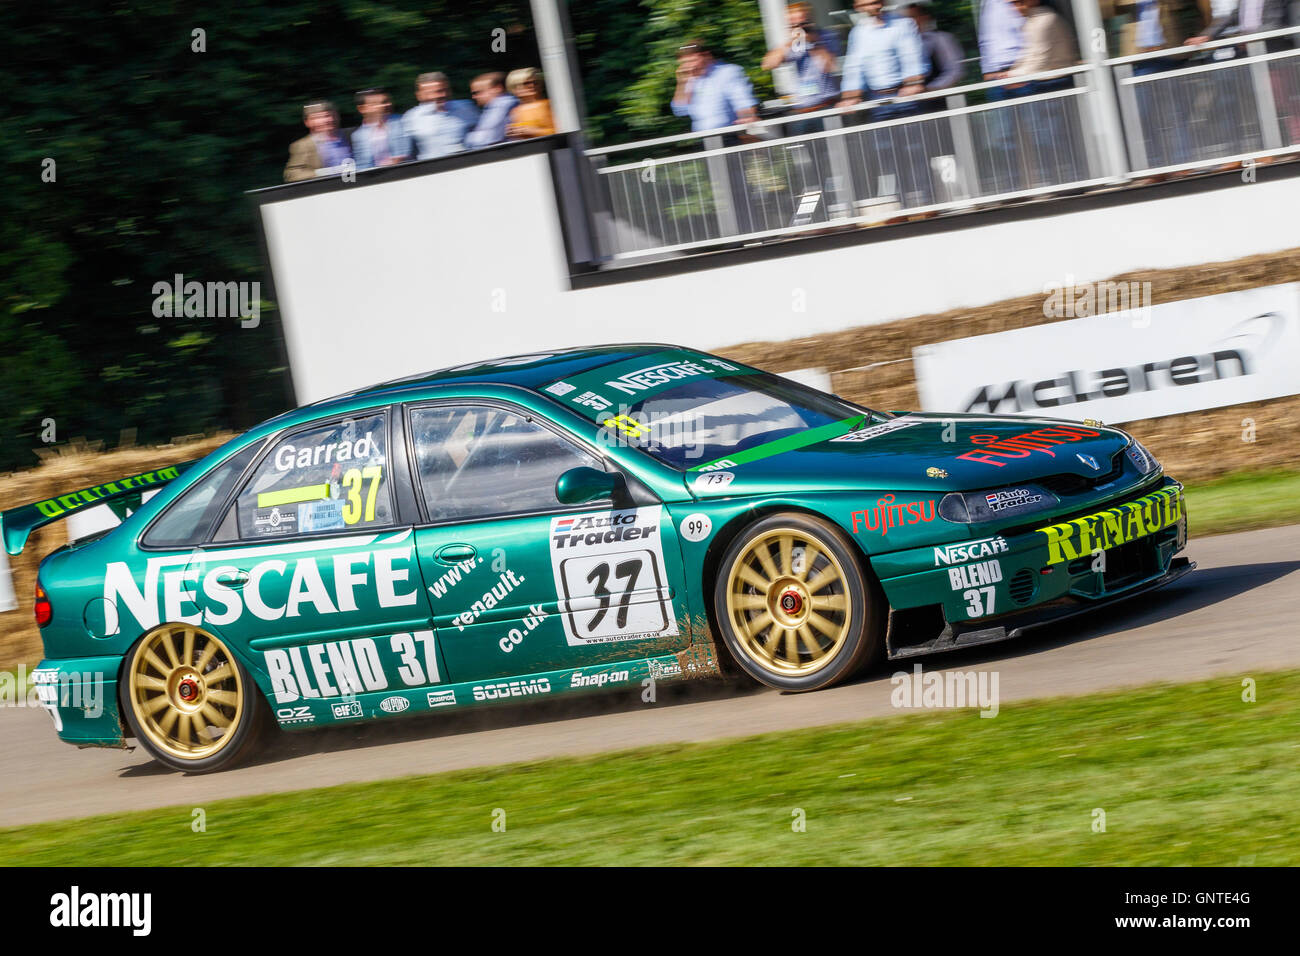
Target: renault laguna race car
550 524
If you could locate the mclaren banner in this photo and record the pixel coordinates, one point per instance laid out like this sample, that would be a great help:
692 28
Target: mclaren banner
1124 366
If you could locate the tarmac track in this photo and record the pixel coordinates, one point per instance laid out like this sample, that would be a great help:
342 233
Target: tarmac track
1236 616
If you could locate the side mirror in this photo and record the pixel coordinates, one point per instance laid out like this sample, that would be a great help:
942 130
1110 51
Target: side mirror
580 485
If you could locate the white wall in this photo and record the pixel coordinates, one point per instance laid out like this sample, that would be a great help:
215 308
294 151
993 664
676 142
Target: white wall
378 281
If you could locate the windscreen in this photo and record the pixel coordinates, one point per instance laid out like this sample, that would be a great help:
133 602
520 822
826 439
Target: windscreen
689 410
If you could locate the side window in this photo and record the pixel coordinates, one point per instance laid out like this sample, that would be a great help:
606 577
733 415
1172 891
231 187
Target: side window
187 519
328 478
476 460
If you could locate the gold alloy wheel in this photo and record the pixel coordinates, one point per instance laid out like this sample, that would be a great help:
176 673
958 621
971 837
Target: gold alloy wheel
788 600
186 692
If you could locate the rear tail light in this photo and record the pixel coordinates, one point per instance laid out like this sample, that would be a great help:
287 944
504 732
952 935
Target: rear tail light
43 608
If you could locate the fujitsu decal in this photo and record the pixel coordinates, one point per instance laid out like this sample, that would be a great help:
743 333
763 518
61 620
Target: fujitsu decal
993 447
886 514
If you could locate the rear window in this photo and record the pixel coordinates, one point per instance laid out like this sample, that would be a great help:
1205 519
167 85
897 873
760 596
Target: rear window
187 519
331 477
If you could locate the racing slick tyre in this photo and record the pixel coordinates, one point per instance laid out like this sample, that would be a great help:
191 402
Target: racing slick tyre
189 701
794 607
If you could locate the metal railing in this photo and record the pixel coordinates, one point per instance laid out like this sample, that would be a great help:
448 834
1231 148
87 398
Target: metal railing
944 151
1181 115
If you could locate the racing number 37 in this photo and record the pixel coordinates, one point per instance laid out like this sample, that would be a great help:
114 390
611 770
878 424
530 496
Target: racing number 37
353 479
598 577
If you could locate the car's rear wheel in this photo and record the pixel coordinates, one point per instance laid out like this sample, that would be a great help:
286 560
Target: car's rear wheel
795 609
188 699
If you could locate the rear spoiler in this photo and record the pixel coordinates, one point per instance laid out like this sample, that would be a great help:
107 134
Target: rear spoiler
122 496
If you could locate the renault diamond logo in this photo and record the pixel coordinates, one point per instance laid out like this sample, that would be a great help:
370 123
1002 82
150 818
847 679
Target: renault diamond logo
1089 461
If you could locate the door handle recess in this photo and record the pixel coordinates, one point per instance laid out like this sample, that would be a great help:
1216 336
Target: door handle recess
454 553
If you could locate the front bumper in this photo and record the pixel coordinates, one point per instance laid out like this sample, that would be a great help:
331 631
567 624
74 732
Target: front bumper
999 587
80 695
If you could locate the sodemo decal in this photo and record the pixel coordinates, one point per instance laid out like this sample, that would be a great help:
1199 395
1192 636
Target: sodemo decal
609 576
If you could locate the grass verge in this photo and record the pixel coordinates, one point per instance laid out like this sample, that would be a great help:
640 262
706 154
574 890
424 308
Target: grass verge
1244 501
1186 775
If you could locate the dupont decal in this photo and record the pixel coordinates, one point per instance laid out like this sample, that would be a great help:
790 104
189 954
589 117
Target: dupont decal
394 705
609 576
969 551
875 431
512 688
975 575
1115 526
345 668
283 581
697 527
713 481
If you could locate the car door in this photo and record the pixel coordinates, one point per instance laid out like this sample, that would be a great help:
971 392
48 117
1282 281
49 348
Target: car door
519 583
312 570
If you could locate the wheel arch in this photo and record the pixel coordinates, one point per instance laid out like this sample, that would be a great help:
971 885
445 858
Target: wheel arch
728 533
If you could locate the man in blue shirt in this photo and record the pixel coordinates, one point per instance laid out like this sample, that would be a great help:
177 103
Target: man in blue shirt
495 104
437 124
711 93
812 51
885 58
381 139
1000 40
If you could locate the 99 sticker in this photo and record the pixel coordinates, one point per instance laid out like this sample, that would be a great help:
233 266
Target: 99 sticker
696 527
609 576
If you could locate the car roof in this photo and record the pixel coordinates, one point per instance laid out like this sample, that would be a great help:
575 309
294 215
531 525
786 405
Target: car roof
530 370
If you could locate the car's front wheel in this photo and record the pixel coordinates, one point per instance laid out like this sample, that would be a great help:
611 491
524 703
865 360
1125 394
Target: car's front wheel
795 609
188 699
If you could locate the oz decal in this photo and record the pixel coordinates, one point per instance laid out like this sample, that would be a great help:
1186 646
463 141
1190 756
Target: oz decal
696 527
609 576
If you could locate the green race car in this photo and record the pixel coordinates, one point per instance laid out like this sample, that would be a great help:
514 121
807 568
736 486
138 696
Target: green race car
548 524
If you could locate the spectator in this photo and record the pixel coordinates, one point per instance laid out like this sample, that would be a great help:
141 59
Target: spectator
942 51
532 116
1160 25
323 150
712 93
1000 41
1251 16
437 124
1048 45
489 92
1259 16
1156 25
813 53
885 58
381 139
